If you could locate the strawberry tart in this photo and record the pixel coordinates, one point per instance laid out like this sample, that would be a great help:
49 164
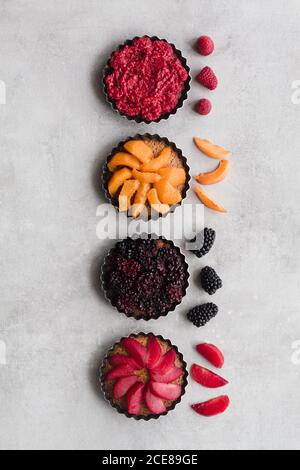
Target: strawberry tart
144 376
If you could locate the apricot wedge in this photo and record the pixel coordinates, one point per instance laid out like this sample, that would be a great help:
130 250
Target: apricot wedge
208 201
175 176
156 204
210 149
162 161
139 149
140 199
146 177
167 193
123 159
128 190
215 176
118 179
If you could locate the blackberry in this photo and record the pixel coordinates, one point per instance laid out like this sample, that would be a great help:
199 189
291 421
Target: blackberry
210 280
202 314
209 237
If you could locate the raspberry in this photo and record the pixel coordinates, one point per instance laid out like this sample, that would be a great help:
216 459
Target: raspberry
202 314
210 280
203 107
207 78
205 45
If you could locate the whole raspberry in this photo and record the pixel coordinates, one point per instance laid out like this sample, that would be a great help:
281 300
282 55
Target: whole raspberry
207 78
203 107
205 45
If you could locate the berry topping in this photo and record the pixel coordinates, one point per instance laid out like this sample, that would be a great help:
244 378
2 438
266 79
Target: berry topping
134 398
120 371
170 376
202 314
123 385
203 107
209 236
166 363
207 78
166 391
154 352
210 281
212 354
212 407
136 350
207 378
121 359
205 45
155 404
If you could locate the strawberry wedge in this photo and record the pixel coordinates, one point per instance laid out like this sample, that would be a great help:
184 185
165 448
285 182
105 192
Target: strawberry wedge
168 377
212 407
155 404
120 371
212 354
154 352
135 398
121 359
123 385
165 391
166 363
136 350
206 378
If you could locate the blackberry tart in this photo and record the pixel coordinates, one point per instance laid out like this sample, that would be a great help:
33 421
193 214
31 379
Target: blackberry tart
145 278
144 376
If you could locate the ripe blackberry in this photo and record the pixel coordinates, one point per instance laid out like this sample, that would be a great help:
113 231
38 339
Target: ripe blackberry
209 237
202 314
129 267
210 280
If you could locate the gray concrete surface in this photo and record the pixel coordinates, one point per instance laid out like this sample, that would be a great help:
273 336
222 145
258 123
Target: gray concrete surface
55 131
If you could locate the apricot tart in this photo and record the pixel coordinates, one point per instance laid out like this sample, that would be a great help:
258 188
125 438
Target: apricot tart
146 79
144 376
145 278
146 176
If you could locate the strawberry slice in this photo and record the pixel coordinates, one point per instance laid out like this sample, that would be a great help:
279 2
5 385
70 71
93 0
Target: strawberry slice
212 407
166 363
165 391
155 404
136 350
207 378
168 377
154 352
121 359
212 354
123 385
120 371
134 398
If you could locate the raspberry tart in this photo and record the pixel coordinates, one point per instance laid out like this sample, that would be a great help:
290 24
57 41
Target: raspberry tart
144 376
145 277
146 79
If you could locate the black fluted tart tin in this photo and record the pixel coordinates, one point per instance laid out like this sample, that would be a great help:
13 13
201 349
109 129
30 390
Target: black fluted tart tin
108 294
106 174
123 411
184 94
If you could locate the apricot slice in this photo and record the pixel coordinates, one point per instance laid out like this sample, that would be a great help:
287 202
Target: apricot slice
118 179
156 204
128 190
208 201
175 176
215 176
210 149
162 161
139 149
167 193
140 199
123 159
146 177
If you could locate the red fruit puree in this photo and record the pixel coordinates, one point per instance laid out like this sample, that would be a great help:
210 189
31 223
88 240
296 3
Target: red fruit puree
147 79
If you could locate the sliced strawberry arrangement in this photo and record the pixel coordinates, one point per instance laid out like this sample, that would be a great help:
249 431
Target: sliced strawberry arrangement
212 354
123 385
120 371
165 391
121 359
212 407
155 404
135 398
207 378
136 350
154 352
170 376
166 363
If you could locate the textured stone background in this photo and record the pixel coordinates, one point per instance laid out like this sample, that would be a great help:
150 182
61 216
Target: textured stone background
55 131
